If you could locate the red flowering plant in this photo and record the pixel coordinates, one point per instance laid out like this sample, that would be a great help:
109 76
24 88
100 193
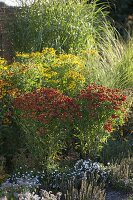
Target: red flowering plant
48 117
45 115
102 110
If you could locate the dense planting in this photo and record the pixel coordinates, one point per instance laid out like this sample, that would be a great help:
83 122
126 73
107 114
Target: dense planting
66 72
93 112
62 100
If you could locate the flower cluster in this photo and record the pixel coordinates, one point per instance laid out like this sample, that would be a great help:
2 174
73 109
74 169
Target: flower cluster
20 184
47 105
7 91
94 104
89 167
65 72
94 112
103 105
25 185
82 169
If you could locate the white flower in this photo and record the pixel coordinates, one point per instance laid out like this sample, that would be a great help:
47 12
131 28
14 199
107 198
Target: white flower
3 198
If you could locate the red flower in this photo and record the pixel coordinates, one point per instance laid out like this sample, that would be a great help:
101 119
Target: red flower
123 98
94 103
47 105
108 127
114 116
116 108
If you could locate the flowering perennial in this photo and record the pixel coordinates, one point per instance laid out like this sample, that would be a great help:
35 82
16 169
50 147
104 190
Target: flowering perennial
95 103
65 72
7 90
46 105
103 105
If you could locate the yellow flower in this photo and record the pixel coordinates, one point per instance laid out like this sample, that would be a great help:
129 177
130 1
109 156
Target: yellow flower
2 61
22 55
5 68
35 54
50 51
14 92
66 72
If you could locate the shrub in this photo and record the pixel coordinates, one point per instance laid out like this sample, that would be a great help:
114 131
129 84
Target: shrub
115 149
52 118
45 115
7 91
65 72
69 74
120 144
4 88
102 109
9 131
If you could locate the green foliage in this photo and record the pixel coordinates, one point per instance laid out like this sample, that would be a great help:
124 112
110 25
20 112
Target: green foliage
12 140
4 85
3 174
68 26
119 145
130 197
100 115
65 72
124 69
7 91
45 115
49 119
88 50
71 27
9 132
122 174
116 149
115 68
42 145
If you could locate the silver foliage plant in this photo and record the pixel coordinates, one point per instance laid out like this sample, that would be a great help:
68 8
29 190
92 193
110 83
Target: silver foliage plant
32 196
85 178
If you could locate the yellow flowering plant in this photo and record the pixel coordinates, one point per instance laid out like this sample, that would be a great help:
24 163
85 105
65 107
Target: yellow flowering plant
4 85
7 91
65 72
